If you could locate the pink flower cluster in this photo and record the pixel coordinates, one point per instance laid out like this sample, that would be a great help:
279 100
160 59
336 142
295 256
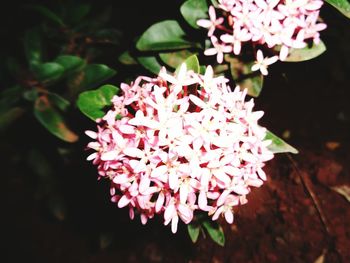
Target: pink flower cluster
172 145
283 23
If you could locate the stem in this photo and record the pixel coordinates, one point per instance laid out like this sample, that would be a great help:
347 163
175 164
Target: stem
315 200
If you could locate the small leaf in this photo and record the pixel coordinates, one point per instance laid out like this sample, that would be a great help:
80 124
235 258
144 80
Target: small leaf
193 10
94 74
47 13
278 145
342 5
52 120
47 72
108 36
215 231
244 77
344 190
253 85
75 12
92 102
164 35
31 95
150 63
192 63
10 116
58 101
307 53
193 232
126 59
174 59
70 63
33 46
57 206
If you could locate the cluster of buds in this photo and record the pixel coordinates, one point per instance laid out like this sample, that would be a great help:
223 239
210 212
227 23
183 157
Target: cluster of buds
173 145
284 24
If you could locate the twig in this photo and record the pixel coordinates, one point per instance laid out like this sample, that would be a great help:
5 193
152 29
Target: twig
307 185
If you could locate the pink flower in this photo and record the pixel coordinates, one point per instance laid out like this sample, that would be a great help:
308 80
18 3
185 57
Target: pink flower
266 23
177 150
212 23
263 63
219 49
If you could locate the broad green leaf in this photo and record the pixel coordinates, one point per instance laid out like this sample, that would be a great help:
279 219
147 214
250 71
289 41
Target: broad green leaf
192 63
94 74
33 46
70 63
52 120
126 59
93 102
215 231
164 35
47 13
174 59
150 63
48 71
193 10
193 232
278 145
58 101
307 53
7 117
342 5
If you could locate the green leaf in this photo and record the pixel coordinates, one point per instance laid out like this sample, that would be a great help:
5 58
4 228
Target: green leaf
9 116
215 231
127 59
193 232
174 59
52 120
92 102
164 35
58 101
70 63
192 63
278 145
193 10
94 74
307 53
342 5
33 46
150 63
47 13
49 71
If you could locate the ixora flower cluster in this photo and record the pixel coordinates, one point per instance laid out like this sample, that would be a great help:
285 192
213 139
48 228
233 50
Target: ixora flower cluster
284 24
174 145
